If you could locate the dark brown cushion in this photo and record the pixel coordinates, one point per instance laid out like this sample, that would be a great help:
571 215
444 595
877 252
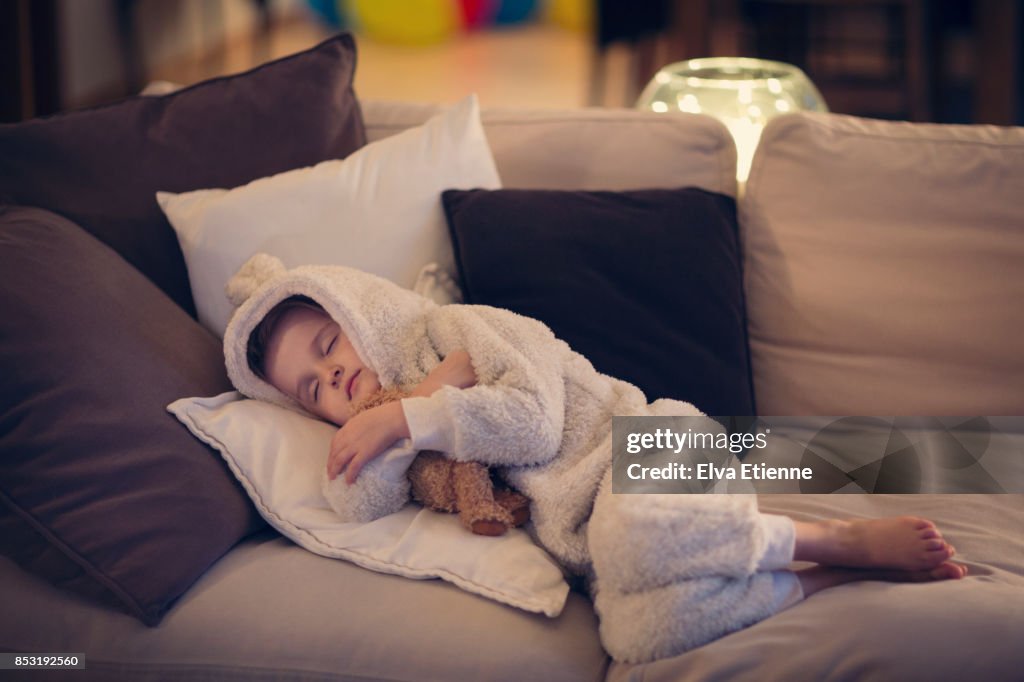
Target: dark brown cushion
101 167
102 491
646 284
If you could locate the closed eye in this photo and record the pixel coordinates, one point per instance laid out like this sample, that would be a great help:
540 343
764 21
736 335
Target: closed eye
330 346
316 391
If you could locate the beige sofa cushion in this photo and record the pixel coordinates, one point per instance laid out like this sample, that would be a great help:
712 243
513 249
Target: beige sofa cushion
589 149
272 611
884 268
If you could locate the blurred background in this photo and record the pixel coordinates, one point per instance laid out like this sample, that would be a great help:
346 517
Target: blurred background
955 61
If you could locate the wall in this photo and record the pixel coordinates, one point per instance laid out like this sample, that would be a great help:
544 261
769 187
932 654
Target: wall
92 68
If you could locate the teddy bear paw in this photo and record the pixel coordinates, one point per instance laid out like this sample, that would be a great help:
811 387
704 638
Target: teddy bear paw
492 520
516 504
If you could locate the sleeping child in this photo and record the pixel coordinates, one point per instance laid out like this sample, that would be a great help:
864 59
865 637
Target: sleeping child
667 572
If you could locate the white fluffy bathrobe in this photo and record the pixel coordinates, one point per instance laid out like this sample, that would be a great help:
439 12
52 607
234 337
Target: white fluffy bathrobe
668 572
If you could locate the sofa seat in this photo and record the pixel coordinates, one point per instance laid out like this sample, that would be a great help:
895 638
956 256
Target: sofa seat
270 610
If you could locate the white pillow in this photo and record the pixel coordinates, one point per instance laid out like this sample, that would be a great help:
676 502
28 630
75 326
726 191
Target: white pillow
279 457
378 210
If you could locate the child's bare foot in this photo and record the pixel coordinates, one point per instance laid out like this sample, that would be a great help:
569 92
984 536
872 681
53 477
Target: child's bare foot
819 578
907 543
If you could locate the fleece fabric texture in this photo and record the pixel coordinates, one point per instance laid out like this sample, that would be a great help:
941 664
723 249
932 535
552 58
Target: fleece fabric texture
668 572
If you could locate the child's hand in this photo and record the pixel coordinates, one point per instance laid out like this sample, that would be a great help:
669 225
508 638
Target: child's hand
364 437
455 370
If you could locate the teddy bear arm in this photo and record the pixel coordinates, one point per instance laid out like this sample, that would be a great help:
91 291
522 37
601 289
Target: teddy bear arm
432 483
474 497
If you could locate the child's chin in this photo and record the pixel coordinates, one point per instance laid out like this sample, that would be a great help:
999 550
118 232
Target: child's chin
368 388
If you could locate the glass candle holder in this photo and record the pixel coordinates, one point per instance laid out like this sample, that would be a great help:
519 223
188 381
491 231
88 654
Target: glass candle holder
742 93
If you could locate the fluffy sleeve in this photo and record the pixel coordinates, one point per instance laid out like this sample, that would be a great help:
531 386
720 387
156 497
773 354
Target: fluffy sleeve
515 413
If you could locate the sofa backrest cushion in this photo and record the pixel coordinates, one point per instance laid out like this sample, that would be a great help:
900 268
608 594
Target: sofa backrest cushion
645 283
101 167
589 149
101 491
884 268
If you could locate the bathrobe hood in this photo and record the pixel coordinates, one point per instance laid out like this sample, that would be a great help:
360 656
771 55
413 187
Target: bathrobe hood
383 321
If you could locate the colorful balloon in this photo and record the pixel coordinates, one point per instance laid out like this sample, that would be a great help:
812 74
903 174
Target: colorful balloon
576 15
514 11
407 22
328 12
477 13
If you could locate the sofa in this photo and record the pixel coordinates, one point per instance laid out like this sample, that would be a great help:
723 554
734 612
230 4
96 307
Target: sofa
882 274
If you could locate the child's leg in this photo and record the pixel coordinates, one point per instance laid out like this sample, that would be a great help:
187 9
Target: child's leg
674 572
903 542
779 542
641 542
818 578
898 549
645 541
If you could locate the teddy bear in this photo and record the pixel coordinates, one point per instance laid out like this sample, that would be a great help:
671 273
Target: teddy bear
466 488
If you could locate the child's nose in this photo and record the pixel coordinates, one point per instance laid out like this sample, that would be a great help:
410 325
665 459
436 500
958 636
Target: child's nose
336 375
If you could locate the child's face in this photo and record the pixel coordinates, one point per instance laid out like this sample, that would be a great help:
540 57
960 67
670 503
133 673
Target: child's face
310 359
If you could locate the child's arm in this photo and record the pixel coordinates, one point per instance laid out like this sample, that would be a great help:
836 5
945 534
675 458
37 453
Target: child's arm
363 437
516 412
369 433
455 370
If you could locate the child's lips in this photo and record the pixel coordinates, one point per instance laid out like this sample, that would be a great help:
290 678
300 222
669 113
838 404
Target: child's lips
351 384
